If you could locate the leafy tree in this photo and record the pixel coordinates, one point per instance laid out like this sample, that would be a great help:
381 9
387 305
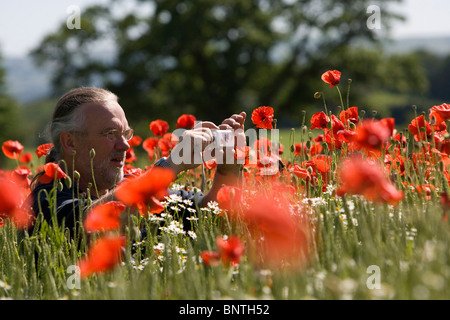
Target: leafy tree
437 69
9 114
209 57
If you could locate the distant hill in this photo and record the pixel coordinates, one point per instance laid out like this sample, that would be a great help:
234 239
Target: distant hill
28 83
25 81
438 45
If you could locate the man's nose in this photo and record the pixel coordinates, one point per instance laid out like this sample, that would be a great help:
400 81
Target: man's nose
122 144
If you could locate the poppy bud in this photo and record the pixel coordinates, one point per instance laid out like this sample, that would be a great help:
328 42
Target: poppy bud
317 95
351 125
76 175
68 182
294 180
292 148
92 153
308 144
60 186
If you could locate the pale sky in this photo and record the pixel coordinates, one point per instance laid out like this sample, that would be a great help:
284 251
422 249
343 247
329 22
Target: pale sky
23 23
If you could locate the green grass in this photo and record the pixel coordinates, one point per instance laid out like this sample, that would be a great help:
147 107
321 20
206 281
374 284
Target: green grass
361 250
408 244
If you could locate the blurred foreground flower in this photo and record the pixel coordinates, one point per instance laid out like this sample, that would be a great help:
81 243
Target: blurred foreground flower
104 255
12 206
373 135
104 217
367 178
146 190
229 250
229 197
280 235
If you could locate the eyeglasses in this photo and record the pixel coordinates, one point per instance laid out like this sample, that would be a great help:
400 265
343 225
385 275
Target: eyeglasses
114 135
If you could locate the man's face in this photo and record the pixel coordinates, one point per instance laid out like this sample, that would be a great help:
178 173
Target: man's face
110 150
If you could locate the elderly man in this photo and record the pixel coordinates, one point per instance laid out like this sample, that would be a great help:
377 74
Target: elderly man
90 134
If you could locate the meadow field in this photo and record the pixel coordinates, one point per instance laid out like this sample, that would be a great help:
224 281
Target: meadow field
355 208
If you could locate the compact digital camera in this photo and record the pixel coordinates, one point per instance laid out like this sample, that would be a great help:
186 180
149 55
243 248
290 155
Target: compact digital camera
223 138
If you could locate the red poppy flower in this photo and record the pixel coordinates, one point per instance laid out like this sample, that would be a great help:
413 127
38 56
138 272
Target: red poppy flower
366 177
301 172
351 114
283 236
43 149
262 117
211 164
130 156
210 258
10 196
159 127
336 124
230 250
150 145
104 216
26 157
12 206
331 77
51 171
104 255
372 134
319 120
22 217
132 171
300 149
186 121
420 128
146 190
135 141
445 203
440 113
229 197
12 149
21 176
165 146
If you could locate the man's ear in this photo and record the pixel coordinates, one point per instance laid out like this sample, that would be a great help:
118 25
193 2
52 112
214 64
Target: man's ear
67 142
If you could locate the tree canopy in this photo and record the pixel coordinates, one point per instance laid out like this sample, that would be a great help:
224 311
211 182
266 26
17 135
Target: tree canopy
212 58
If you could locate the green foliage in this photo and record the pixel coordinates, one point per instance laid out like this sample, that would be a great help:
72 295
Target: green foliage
9 114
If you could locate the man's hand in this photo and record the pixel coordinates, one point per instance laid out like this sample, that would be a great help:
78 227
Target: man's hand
231 163
187 153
